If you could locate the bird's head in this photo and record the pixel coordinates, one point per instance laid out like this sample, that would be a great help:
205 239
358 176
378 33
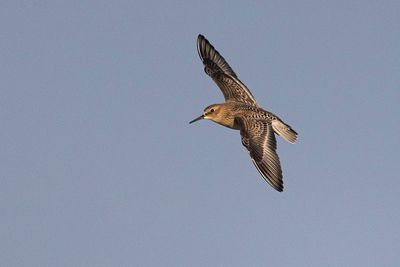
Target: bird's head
211 112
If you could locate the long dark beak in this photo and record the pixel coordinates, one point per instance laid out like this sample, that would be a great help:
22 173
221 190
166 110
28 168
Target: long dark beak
197 119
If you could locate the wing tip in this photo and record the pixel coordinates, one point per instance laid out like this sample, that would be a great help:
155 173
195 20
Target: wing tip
201 44
274 182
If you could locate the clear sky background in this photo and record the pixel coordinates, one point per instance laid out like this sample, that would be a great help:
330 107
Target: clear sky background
99 166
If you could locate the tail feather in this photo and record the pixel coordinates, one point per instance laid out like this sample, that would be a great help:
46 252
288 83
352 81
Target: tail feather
284 130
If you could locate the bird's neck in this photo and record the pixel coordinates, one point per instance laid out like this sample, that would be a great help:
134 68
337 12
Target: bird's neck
226 119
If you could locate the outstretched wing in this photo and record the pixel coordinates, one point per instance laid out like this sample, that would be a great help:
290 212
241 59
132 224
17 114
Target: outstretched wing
219 70
259 139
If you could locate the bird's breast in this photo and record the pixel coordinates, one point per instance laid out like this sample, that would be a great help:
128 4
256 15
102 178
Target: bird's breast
228 122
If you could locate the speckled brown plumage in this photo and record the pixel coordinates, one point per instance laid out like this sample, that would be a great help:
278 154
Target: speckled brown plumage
241 111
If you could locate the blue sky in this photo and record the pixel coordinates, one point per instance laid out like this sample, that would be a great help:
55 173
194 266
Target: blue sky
101 168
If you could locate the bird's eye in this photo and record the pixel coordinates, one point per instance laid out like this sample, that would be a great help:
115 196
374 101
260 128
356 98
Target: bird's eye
212 110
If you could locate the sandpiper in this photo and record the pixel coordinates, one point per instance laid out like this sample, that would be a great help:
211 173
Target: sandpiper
240 111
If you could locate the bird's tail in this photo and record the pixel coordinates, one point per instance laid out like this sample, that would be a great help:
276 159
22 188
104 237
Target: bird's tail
284 130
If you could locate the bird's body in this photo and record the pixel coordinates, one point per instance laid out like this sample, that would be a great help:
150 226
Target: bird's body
225 113
240 111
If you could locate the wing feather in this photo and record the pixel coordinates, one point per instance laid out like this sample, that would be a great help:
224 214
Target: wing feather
259 139
223 75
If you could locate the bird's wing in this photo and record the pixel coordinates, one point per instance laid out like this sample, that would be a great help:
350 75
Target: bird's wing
219 70
259 139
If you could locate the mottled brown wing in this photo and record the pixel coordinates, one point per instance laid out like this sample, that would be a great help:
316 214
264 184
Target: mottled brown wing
219 70
259 139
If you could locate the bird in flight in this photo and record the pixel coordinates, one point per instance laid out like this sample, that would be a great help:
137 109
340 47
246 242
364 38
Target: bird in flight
240 111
